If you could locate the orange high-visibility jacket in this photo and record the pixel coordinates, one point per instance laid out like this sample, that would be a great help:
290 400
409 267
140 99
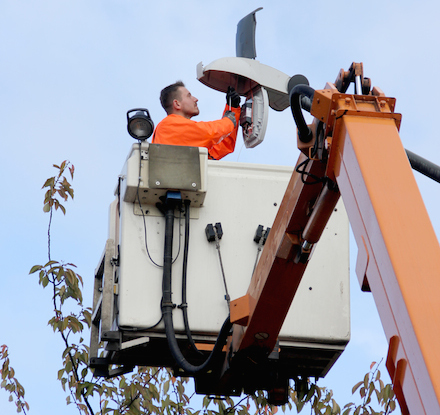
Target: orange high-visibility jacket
218 136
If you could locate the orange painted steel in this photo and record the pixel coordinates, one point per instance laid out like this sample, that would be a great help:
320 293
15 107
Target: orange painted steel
399 254
277 276
398 251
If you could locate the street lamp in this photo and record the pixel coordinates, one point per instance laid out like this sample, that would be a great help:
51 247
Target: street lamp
140 125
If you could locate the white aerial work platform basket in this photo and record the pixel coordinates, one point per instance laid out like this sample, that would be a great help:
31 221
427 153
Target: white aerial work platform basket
242 198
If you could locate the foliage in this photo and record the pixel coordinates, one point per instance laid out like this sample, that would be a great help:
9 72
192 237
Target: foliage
372 385
10 383
58 184
322 402
147 390
150 390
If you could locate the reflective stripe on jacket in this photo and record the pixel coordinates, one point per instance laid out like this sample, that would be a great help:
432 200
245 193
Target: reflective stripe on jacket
218 136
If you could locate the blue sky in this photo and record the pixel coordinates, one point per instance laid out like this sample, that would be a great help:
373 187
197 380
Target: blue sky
70 70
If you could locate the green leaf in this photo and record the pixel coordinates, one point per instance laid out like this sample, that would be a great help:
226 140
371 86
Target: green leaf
336 409
392 405
356 387
70 191
60 373
366 379
35 268
299 406
46 207
206 401
386 392
49 182
45 281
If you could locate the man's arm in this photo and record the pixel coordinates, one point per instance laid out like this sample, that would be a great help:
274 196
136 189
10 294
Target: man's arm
179 131
227 145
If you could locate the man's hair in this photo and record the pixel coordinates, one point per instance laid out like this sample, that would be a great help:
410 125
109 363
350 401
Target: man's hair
169 94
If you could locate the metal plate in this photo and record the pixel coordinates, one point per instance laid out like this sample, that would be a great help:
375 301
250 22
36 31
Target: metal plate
174 167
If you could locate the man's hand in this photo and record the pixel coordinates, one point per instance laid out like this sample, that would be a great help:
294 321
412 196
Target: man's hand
231 116
232 97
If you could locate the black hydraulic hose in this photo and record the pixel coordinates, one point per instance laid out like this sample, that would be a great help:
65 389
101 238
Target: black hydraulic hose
301 97
297 95
306 103
424 166
167 308
184 305
168 259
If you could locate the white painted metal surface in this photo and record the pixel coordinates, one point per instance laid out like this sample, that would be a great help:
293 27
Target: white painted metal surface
244 74
241 197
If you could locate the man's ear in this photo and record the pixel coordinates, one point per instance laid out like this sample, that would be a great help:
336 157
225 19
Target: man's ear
176 104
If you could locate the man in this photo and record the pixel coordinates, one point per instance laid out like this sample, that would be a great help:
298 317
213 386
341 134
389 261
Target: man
177 128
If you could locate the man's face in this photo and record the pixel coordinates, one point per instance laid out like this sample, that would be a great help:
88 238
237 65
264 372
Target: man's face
188 103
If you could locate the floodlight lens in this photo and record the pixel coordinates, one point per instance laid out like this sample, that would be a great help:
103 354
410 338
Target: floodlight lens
140 125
